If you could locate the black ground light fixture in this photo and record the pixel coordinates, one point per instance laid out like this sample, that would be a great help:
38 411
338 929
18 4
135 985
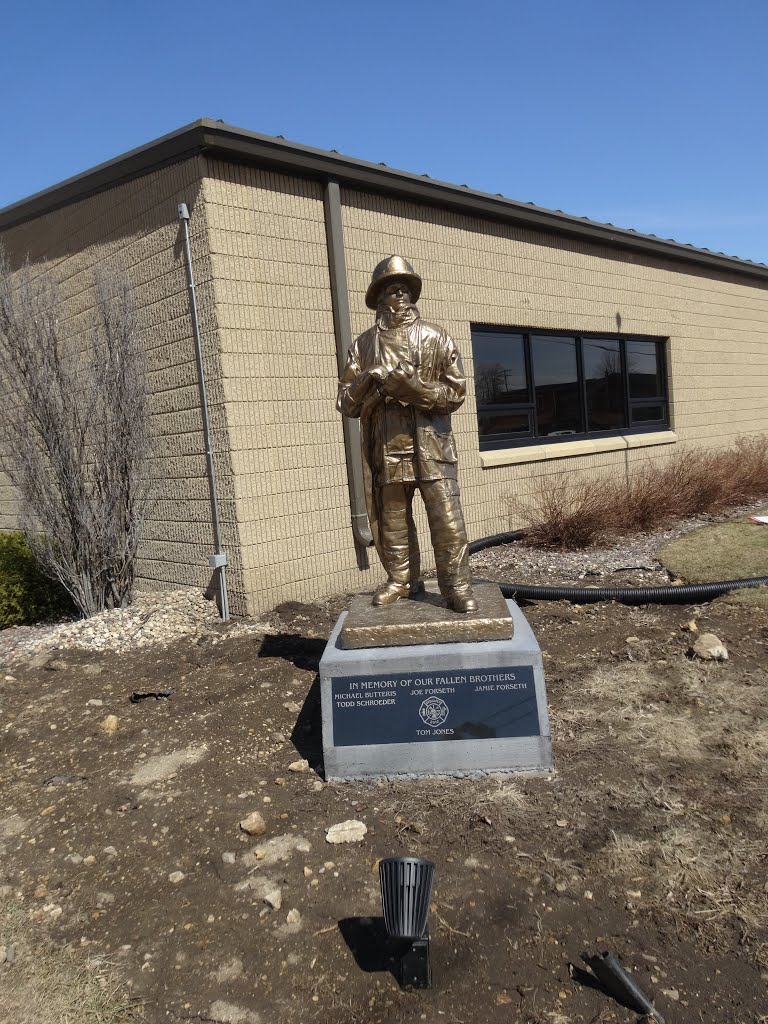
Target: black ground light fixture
406 890
621 985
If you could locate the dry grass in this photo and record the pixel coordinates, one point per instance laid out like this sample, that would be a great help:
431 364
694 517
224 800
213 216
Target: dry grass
48 984
684 714
755 597
725 551
696 871
680 842
568 512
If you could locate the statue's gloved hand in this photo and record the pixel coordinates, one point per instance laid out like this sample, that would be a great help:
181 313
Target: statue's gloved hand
362 385
404 384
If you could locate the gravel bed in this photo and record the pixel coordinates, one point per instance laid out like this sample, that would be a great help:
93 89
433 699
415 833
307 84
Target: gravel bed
629 560
162 617
153 618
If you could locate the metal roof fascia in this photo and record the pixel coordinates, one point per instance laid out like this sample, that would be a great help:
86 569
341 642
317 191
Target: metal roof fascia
217 139
178 145
293 158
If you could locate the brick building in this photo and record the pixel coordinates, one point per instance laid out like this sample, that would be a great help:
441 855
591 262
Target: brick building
586 347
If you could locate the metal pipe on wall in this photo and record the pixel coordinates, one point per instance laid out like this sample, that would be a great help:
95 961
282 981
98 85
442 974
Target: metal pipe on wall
218 560
334 234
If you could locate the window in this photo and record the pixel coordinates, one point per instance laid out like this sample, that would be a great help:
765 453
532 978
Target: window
549 386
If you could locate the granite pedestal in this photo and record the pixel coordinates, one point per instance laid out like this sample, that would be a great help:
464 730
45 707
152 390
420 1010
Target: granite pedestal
435 709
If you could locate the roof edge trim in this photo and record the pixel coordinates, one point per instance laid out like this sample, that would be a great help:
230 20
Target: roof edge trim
218 139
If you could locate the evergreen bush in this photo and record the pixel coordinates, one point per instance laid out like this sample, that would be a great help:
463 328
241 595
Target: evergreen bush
26 595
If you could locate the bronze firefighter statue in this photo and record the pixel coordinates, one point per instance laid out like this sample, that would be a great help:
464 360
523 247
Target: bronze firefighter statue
403 379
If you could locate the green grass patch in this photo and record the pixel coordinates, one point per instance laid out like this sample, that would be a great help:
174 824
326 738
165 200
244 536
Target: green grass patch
728 551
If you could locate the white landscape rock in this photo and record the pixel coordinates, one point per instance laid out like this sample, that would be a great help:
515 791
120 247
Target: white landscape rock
162 767
229 971
263 888
350 831
152 618
299 766
254 824
277 850
709 647
231 1013
176 876
293 924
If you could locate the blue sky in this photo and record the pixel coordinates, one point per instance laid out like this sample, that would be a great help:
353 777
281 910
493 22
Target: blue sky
647 114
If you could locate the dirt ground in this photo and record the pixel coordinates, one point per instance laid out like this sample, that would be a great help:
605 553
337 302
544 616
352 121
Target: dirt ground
650 839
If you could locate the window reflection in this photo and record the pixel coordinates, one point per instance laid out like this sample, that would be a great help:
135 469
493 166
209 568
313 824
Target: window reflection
644 370
558 407
604 385
497 424
499 369
648 414
544 385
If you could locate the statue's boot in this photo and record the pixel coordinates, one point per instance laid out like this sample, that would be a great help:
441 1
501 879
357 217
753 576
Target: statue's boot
462 599
390 593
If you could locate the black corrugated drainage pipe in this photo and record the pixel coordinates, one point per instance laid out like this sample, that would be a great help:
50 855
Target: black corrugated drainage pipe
687 593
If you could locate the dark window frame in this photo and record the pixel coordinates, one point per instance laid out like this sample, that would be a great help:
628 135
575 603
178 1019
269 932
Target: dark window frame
630 405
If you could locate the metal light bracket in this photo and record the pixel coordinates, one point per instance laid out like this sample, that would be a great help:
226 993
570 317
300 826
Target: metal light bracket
414 969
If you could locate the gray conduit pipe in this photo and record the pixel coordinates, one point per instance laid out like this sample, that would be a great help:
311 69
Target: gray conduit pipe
334 234
688 593
218 560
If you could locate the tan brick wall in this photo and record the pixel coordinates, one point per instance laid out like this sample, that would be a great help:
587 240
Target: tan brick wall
270 269
261 265
278 353
135 226
480 272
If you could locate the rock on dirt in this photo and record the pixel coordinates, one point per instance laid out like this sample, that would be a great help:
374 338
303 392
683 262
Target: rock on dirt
350 831
222 1012
299 766
708 647
293 924
276 850
152 619
163 766
110 725
254 824
263 888
230 971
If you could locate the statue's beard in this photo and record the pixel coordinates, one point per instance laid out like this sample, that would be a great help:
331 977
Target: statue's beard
404 314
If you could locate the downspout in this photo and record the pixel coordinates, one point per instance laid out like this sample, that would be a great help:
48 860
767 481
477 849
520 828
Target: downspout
334 235
218 560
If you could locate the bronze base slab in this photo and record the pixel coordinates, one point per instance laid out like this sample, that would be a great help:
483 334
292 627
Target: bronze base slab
425 619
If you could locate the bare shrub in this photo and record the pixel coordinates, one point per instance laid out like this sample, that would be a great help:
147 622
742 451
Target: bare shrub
569 512
566 512
74 431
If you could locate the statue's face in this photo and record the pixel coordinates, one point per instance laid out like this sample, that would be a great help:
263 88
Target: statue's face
396 295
